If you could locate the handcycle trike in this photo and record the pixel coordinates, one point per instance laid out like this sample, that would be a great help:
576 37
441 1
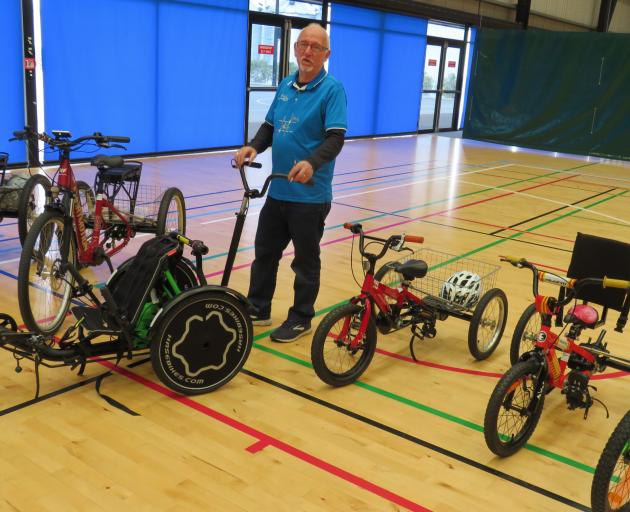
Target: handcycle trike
158 303
83 227
21 197
558 360
345 340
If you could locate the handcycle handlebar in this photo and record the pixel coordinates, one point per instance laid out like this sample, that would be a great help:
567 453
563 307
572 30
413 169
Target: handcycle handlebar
573 286
197 246
255 193
394 242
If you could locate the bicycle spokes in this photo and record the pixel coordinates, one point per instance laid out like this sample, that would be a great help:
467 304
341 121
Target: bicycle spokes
619 492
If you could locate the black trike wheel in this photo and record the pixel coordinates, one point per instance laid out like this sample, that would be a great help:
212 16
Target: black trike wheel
334 360
33 197
44 293
525 333
201 342
172 212
611 484
487 324
514 409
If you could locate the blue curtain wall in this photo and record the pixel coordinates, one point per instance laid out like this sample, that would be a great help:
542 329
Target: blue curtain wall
12 82
379 58
169 74
471 53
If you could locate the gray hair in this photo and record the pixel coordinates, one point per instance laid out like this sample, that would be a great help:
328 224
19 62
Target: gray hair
321 29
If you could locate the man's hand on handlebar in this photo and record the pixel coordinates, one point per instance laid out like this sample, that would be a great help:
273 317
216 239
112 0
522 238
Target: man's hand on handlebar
246 153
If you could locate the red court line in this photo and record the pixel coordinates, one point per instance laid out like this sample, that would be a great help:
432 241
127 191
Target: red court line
507 228
439 366
271 441
407 221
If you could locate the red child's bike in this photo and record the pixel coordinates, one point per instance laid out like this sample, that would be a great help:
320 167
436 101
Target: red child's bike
555 361
345 340
82 227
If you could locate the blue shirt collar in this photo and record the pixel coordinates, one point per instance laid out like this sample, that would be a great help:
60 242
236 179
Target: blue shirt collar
310 85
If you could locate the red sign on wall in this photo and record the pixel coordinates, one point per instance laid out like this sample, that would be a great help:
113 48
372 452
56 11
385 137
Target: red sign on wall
452 63
432 62
265 49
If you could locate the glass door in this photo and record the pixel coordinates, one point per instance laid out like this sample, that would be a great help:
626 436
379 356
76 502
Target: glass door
271 58
441 86
265 73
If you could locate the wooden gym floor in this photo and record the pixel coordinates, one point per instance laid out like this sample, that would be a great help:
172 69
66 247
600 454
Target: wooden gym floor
408 435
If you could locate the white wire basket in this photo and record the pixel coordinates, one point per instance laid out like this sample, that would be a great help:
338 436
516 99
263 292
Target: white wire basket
443 266
145 209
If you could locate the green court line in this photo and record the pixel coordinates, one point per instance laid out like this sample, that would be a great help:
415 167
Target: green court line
431 410
430 203
594 219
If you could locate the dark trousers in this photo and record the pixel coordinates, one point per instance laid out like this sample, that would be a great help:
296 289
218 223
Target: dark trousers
281 222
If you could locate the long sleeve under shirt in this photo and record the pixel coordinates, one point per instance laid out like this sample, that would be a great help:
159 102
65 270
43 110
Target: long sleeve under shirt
325 152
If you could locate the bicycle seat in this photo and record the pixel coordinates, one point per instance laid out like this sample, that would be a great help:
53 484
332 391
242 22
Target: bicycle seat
411 269
113 169
582 314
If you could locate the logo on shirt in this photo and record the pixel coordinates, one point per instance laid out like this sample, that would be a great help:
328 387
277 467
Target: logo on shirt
286 125
283 97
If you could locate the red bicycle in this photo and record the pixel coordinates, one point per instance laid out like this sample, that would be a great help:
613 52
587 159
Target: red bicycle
81 227
345 340
556 361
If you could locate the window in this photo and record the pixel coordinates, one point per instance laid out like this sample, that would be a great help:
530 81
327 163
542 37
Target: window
298 9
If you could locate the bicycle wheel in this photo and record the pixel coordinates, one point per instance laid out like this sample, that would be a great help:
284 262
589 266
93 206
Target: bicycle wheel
44 293
33 197
335 362
514 409
611 484
172 212
202 342
487 324
525 333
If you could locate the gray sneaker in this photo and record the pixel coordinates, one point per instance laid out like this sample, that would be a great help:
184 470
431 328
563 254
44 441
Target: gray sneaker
259 320
290 331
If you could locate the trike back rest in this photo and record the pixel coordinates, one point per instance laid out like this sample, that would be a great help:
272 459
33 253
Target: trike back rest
599 257
131 290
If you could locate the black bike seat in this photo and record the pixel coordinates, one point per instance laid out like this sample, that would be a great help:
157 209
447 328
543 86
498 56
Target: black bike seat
103 161
412 269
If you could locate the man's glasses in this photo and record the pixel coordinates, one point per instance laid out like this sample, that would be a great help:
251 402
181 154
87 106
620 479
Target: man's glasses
317 48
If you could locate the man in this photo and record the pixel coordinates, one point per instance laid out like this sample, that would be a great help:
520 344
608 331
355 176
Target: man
305 125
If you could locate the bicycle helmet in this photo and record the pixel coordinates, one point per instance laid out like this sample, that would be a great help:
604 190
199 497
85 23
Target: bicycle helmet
462 288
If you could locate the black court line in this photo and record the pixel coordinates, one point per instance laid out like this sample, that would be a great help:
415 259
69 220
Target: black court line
421 442
553 211
66 389
372 210
497 236
460 228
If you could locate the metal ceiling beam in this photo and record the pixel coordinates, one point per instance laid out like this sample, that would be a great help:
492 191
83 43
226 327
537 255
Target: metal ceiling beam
606 10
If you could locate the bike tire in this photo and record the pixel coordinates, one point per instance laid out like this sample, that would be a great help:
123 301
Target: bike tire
333 377
608 495
504 444
525 332
482 317
172 212
34 191
44 297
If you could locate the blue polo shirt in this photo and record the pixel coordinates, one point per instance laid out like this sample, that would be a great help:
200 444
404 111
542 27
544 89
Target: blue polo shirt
300 117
